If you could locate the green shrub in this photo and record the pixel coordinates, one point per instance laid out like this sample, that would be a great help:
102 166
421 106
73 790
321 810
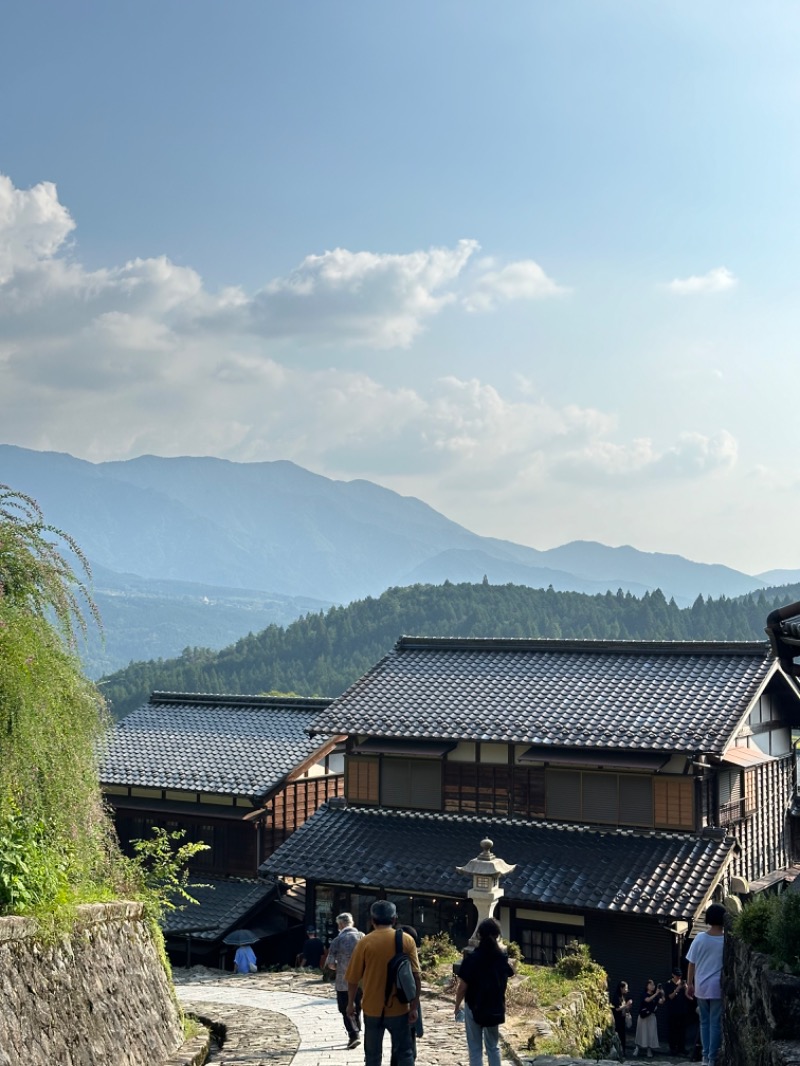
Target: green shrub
514 951
785 931
29 874
575 961
435 950
771 924
753 923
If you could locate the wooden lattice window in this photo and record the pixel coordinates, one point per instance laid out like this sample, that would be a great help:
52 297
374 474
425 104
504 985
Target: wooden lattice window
673 802
362 779
750 792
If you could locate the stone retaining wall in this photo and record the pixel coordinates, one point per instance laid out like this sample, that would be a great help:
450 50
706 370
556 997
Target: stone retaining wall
99 997
761 1018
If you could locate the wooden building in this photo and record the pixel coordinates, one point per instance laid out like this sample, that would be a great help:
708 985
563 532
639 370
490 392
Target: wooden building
630 782
238 773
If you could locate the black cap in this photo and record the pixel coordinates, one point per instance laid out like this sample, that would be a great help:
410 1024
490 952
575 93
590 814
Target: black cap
676 972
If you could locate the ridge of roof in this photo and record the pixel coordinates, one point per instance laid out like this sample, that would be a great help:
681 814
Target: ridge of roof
200 699
652 647
574 828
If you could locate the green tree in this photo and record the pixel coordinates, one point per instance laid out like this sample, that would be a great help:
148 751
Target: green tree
56 843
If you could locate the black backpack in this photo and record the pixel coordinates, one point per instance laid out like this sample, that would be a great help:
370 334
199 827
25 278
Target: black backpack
400 979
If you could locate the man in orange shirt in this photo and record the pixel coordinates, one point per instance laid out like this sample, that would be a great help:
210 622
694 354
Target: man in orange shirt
368 966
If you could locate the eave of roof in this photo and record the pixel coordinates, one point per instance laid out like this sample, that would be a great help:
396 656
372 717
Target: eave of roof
596 757
663 875
746 757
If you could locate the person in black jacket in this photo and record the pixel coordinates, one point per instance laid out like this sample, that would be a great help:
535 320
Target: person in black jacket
313 950
677 1013
482 980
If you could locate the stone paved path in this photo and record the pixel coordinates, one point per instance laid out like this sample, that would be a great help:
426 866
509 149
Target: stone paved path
278 1019
293 1011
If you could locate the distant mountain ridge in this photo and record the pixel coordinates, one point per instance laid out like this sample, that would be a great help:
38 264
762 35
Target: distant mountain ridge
283 533
322 653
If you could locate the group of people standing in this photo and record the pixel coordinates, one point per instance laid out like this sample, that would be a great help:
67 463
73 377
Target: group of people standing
368 1004
642 1022
698 996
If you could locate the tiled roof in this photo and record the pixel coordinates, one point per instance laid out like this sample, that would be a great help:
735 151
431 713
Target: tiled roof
783 630
223 903
242 745
664 875
653 696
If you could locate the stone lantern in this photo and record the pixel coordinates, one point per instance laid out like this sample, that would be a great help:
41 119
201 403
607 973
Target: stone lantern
485 870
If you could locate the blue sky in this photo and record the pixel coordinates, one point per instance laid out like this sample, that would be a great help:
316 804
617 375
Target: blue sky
534 263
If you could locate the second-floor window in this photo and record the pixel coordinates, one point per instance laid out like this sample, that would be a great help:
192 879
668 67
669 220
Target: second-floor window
731 796
414 783
599 798
588 797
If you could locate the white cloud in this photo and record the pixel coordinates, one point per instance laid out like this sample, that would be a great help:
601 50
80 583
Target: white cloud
522 280
720 279
368 298
144 358
363 298
692 455
33 225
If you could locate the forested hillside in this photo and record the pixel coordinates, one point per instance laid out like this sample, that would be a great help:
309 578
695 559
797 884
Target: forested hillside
321 654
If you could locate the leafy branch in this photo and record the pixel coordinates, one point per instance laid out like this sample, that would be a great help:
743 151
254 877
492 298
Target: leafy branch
162 866
34 575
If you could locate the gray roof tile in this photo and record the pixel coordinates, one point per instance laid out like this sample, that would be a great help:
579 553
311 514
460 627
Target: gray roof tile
664 875
616 695
223 903
240 745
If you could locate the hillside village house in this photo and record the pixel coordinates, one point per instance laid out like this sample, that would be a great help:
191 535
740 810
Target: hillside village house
629 783
240 774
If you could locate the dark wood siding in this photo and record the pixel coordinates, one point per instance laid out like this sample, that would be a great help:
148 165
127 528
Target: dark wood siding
763 832
474 788
631 949
294 805
528 800
232 844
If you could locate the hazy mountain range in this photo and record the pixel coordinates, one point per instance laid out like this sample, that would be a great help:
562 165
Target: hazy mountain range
198 551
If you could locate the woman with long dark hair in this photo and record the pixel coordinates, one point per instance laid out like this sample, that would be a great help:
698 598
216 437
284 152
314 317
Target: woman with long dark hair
621 1005
482 980
646 1025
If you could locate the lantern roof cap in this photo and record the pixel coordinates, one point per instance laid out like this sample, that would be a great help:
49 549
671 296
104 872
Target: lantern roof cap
486 863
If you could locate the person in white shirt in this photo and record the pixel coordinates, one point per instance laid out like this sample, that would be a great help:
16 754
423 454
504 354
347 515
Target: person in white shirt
704 981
